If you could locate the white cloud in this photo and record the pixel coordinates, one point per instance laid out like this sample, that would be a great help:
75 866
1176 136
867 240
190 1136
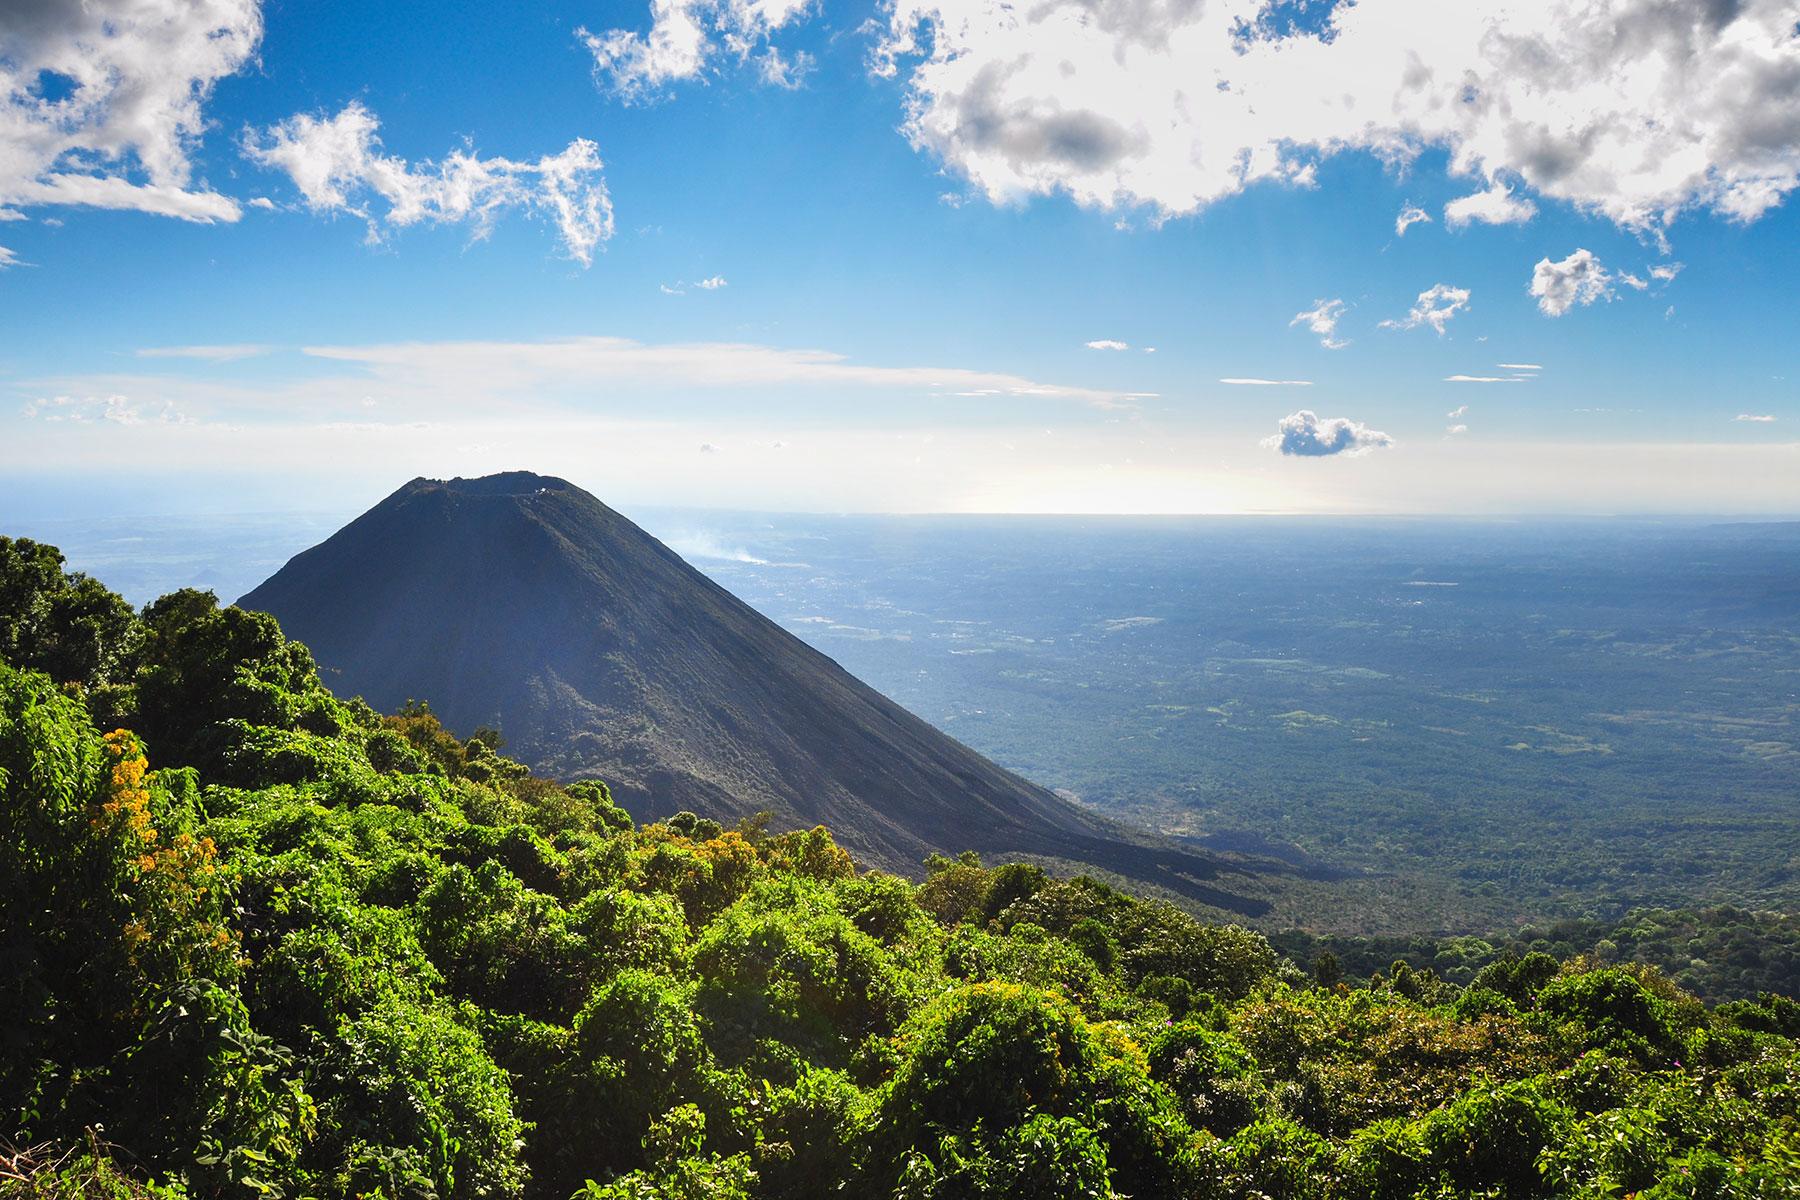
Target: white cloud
1305 435
1323 319
262 202
222 353
8 258
1107 344
1436 306
338 165
1496 206
1409 216
1520 366
579 365
713 284
1578 279
1454 430
94 410
1666 272
677 290
1460 410
1484 379
101 102
1268 382
708 448
1633 109
685 36
1760 418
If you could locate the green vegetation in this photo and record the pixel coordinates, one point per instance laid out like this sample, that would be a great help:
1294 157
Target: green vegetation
1717 953
263 941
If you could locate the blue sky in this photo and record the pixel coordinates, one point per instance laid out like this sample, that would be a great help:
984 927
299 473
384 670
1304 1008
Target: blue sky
263 287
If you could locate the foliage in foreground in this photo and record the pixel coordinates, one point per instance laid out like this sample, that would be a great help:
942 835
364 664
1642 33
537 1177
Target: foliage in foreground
275 943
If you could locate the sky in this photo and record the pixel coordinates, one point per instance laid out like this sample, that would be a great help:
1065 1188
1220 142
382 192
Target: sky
1499 256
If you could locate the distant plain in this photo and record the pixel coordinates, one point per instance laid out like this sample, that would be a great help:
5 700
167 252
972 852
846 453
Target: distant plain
1440 725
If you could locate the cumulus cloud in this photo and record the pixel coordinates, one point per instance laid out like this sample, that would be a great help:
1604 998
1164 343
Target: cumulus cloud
1578 279
1760 418
1306 435
338 165
1409 216
1633 109
1241 382
102 102
1435 307
1322 318
1107 344
711 284
1495 206
684 38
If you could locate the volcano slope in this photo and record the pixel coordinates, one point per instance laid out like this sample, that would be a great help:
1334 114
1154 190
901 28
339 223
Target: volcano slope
521 602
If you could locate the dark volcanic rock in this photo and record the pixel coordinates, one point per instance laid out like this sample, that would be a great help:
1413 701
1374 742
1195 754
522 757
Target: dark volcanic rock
521 602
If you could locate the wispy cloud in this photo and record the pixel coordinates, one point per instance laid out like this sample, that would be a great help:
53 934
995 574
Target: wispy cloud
687 36
711 284
1760 418
713 364
1435 307
110 410
1409 216
1322 318
1519 366
338 165
1107 344
222 353
1243 382
1484 379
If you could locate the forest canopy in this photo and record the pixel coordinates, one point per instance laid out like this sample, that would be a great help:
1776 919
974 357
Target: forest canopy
261 940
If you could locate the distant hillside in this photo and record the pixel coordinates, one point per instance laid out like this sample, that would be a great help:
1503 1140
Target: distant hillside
521 602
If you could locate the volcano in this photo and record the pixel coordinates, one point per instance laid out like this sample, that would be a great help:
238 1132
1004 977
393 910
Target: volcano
521 602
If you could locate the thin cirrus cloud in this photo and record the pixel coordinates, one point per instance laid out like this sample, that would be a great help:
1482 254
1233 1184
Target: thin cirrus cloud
481 370
1251 382
220 353
1484 379
1759 418
1305 434
338 165
1436 306
1322 318
1636 110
